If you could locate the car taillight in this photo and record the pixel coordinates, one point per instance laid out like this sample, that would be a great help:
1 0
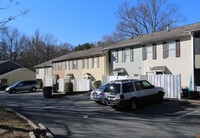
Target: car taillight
121 97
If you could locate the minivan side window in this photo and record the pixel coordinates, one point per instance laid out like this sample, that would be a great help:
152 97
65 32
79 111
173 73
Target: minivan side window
139 86
127 87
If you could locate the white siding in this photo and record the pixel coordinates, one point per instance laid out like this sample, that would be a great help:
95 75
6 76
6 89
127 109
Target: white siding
181 65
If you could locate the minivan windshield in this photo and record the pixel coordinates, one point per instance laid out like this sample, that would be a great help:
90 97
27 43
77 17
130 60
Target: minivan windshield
112 88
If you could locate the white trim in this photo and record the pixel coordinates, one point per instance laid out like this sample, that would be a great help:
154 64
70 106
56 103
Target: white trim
192 54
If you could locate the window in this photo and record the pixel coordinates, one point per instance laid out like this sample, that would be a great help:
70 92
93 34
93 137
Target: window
112 88
67 66
116 56
127 55
139 86
95 62
146 84
127 87
85 64
131 54
149 52
45 70
4 81
59 65
74 64
37 71
171 49
54 66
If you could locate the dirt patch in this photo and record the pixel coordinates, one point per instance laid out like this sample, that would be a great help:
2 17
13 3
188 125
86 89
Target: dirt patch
12 126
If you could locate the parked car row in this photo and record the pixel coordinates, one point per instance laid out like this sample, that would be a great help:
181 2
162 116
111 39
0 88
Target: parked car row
129 93
28 85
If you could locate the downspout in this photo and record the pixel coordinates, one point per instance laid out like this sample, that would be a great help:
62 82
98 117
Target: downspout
192 54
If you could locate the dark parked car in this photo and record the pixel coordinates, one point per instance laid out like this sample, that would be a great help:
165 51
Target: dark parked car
3 86
30 85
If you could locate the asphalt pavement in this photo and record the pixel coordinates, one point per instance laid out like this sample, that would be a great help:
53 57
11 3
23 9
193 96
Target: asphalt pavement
77 116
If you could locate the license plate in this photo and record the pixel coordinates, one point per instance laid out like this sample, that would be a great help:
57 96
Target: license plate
111 98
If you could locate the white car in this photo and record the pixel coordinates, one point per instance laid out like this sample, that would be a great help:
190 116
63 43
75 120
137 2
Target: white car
132 93
98 95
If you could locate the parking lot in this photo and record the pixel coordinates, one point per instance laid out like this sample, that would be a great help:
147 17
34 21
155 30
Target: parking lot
77 116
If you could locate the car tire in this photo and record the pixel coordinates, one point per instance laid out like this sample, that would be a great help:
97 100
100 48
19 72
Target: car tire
159 99
33 89
133 105
12 91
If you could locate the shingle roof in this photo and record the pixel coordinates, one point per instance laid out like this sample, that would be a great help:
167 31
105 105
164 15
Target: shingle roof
14 72
80 54
157 36
45 64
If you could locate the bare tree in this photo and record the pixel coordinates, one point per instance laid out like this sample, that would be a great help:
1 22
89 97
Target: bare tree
146 17
5 5
10 37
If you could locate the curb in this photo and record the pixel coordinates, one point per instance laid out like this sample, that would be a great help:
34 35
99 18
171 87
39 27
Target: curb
40 129
184 100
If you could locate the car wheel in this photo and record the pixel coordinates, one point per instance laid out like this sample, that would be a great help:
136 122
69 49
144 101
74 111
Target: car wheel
33 89
13 91
133 105
159 99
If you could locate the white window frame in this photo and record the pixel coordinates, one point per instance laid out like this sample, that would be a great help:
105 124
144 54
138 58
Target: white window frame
37 71
127 55
59 65
54 66
85 63
95 62
67 65
149 52
74 64
171 49
45 70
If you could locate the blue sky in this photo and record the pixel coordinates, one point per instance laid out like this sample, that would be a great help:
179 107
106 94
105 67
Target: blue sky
80 21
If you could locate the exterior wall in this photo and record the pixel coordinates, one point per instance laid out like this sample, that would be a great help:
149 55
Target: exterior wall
60 73
131 67
95 72
19 76
40 75
197 61
176 65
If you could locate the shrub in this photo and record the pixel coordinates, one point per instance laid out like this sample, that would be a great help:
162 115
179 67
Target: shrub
69 87
40 83
97 84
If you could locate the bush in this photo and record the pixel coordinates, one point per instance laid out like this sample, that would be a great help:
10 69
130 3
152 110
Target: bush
97 84
40 83
69 87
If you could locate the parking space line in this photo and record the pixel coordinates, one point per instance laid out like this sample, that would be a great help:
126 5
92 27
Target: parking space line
187 114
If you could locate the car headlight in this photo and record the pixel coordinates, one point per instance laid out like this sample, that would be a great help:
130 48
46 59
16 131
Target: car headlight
7 89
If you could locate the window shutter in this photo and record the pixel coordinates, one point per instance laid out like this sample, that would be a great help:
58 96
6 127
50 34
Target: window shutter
131 54
116 56
144 55
109 56
82 63
76 64
164 50
87 63
123 55
154 51
97 62
178 53
92 62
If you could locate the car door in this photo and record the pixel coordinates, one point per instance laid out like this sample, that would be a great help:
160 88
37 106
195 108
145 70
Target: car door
128 90
140 91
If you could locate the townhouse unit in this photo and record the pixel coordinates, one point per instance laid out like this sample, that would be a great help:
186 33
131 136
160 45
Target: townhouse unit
44 73
85 64
172 51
